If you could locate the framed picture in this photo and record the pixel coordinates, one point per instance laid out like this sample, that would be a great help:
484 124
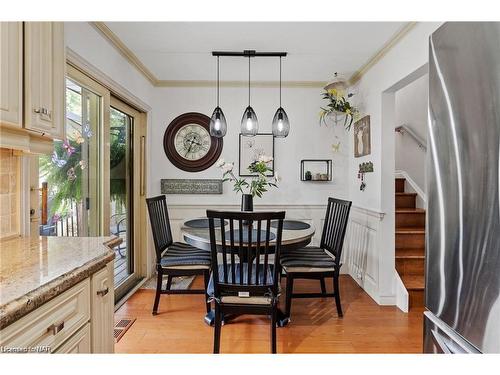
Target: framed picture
362 145
251 148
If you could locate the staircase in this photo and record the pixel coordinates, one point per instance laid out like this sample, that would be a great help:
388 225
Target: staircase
410 244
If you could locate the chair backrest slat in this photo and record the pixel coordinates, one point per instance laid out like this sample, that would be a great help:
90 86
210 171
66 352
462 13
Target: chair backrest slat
224 252
240 249
248 273
266 255
334 228
231 236
160 224
257 252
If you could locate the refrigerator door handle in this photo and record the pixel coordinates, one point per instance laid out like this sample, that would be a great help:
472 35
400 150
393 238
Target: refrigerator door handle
446 345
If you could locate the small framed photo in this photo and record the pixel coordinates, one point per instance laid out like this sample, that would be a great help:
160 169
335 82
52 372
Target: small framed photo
362 144
251 148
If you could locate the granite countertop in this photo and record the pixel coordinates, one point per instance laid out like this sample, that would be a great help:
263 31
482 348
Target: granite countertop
35 269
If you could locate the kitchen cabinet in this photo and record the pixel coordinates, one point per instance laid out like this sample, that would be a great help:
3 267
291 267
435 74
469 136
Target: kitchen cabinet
32 85
44 76
11 74
79 320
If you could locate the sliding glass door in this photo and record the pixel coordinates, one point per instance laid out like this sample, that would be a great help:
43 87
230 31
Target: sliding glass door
70 177
122 191
92 183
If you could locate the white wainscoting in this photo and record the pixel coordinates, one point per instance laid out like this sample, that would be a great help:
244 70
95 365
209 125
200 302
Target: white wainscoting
360 256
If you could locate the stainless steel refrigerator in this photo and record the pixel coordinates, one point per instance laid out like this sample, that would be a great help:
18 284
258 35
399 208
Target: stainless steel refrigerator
462 295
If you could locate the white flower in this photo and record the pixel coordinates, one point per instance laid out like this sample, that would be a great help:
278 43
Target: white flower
220 163
227 167
277 177
265 158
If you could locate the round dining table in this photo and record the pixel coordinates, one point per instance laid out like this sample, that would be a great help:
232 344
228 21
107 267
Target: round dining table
296 234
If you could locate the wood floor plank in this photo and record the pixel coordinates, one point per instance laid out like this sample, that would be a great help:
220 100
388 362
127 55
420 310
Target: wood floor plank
315 327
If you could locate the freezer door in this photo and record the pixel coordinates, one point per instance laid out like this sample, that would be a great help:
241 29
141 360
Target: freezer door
463 215
441 339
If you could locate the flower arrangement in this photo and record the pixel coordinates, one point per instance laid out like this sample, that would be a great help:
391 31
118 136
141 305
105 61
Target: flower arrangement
258 184
338 103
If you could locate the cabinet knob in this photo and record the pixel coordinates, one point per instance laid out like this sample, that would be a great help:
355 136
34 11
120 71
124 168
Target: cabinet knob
56 328
102 292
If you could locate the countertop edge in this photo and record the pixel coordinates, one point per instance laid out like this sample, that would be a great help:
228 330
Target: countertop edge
18 308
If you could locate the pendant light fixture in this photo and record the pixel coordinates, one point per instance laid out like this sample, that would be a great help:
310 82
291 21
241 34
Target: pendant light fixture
218 124
281 125
249 122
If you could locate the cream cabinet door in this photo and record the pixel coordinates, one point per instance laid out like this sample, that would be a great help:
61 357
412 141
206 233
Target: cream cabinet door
103 308
79 343
44 72
11 73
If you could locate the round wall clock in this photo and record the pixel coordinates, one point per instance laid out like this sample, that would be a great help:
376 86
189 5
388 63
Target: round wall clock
188 144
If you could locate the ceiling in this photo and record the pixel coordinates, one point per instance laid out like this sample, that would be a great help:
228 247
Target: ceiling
181 51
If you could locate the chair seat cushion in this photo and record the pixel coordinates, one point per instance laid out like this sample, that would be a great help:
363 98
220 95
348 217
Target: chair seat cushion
184 256
254 299
307 259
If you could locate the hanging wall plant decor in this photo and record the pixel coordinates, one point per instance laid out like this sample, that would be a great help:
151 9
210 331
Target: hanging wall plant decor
339 109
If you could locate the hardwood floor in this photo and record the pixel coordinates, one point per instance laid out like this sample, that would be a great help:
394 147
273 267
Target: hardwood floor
315 327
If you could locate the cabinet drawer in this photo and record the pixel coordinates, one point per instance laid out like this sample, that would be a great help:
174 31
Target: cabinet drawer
52 323
79 343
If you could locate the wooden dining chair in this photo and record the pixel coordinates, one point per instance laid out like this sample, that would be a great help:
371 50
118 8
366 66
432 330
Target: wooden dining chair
319 262
174 258
244 275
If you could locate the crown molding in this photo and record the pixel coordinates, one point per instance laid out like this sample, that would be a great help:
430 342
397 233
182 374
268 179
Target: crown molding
139 65
263 84
381 52
125 51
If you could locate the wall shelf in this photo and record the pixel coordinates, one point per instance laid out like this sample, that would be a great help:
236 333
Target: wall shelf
316 170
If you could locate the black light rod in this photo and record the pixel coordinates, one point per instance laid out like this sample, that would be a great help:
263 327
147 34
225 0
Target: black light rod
249 53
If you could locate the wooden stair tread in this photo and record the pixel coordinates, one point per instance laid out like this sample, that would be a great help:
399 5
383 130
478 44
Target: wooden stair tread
413 282
410 211
410 230
410 254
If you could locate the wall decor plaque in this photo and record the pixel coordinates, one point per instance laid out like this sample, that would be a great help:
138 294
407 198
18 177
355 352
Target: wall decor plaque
191 186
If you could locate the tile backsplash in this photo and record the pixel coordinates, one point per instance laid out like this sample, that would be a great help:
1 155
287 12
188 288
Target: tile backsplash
9 193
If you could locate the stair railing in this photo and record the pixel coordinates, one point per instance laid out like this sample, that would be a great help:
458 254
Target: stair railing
403 129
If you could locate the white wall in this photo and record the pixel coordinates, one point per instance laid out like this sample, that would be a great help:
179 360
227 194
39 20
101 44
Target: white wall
85 40
411 110
306 140
376 92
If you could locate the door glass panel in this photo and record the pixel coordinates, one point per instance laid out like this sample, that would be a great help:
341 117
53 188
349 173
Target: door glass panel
69 177
121 219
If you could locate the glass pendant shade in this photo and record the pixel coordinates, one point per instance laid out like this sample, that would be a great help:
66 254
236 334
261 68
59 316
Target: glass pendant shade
281 125
249 123
218 124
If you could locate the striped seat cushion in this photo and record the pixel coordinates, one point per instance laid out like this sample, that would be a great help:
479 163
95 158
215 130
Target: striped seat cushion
182 254
307 258
254 299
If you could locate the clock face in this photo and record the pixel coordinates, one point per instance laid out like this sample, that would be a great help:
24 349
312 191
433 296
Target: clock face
188 144
192 142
